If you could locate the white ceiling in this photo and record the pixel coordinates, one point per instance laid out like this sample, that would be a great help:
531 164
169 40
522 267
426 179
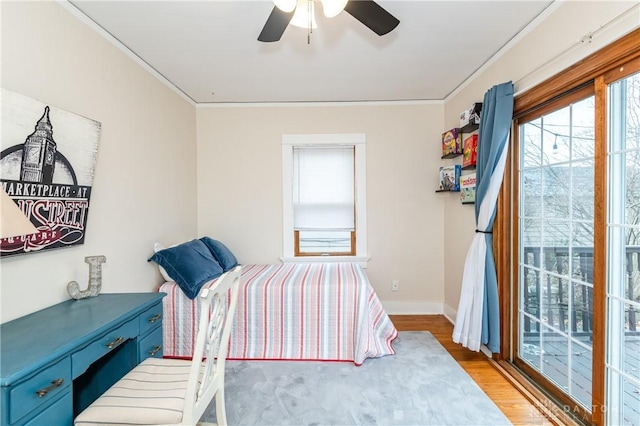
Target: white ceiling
209 49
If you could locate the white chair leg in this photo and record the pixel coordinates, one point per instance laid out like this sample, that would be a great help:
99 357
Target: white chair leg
221 413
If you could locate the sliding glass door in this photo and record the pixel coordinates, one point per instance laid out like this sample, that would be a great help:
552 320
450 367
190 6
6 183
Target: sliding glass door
556 246
623 279
571 214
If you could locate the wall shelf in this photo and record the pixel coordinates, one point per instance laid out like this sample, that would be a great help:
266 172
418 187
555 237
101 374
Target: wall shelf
469 128
452 140
453 155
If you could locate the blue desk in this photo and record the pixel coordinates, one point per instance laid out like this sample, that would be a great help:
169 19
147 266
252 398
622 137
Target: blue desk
55 362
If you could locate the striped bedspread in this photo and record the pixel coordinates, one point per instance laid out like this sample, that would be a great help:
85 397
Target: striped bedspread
317 311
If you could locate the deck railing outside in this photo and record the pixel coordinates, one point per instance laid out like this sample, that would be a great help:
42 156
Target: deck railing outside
548 293
558 293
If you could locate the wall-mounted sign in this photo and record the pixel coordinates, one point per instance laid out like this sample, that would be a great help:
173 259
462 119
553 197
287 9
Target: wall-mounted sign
47 163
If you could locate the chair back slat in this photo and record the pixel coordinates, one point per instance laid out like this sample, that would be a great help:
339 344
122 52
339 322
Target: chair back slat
212 343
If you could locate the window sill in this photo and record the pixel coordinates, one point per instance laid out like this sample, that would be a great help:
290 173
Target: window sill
363 261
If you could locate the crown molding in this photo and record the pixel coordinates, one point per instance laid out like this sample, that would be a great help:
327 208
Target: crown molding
315 104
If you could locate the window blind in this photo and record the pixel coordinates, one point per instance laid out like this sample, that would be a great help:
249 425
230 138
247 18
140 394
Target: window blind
323 188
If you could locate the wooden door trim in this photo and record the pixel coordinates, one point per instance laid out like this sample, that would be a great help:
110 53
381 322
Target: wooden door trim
605 59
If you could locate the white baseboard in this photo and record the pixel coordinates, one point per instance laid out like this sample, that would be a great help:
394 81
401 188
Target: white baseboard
485 350
427 308
450 314
412 308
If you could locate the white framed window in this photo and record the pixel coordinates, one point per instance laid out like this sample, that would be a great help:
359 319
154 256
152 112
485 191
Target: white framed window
324 198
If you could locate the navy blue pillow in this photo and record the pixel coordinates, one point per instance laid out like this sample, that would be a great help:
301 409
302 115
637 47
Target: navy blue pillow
225 258
190 264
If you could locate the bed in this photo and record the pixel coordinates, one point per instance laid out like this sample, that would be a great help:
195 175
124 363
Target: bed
291 311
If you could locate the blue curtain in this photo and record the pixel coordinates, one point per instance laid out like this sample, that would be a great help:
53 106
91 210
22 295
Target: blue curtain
495 124
478 316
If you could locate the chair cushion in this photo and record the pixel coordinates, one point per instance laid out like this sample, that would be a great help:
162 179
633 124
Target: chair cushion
157 397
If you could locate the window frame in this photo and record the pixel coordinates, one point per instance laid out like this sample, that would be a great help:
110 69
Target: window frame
298 253
358 142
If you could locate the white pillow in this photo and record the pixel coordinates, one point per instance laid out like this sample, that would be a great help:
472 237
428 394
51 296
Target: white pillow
156 248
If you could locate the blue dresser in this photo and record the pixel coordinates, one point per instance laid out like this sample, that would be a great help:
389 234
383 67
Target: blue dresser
55 362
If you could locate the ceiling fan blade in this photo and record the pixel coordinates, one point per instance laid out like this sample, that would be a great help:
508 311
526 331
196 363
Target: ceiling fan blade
372 15
275 25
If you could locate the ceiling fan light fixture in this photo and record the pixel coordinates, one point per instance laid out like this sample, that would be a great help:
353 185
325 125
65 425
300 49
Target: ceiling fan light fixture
305 16
285 5
332 8
368 12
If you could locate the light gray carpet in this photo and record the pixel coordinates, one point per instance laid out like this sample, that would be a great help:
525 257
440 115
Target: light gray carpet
420 385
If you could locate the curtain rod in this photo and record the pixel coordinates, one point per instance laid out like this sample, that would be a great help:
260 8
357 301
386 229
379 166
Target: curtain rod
584 40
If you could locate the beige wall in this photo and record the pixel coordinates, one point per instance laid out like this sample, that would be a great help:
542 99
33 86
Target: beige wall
145 182
527 62
146 188
240 188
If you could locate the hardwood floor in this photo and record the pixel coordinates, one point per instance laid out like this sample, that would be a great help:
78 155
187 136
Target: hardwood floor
513 404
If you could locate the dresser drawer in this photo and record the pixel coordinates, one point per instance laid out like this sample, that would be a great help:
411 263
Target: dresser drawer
150 318
82 359
40 389
151 346
59 413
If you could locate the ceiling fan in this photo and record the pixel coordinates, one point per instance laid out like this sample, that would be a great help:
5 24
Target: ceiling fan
301 13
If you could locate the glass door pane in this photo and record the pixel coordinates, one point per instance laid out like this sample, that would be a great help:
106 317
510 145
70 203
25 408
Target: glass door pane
623 282
556 247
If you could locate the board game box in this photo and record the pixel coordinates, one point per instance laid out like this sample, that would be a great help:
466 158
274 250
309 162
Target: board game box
451 143
470 151
450 178
471 115
468 188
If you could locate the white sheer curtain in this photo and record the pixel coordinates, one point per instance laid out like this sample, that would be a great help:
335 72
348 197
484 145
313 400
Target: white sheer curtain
468 327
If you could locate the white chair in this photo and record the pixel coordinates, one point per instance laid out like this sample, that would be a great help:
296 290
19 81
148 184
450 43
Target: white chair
176 391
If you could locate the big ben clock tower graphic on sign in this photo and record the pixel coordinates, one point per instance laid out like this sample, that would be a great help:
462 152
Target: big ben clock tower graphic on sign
49 180
39 153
